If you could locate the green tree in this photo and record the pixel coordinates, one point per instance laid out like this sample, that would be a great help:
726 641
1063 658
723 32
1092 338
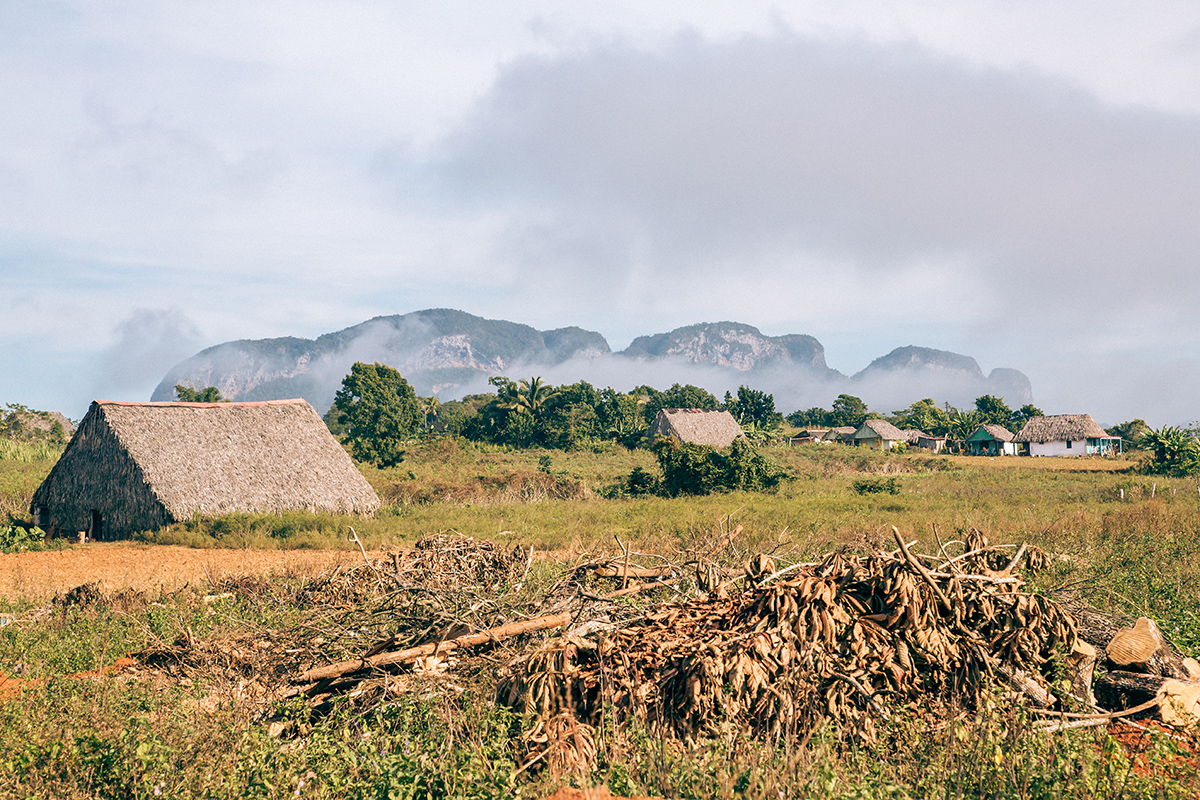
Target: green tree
379 410
678 396
1176 452
993 410
753 407
1023 415
619 414
527 397
1132 433
924 415
849 411
188 393
963 424
811 418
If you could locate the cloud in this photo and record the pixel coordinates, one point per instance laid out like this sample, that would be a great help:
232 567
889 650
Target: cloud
146 344
776 156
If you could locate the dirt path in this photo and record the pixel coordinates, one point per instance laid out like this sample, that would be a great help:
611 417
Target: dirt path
37 576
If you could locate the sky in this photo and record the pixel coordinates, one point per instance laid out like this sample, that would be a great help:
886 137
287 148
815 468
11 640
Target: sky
1016 181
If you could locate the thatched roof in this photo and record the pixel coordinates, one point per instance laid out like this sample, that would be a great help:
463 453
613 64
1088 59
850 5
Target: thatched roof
693 425
1061 428
880 429
170 461
991 432
912 435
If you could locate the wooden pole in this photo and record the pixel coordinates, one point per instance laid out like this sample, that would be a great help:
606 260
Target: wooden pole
413 653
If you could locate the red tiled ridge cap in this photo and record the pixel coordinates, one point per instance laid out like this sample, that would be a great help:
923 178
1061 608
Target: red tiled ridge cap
181 404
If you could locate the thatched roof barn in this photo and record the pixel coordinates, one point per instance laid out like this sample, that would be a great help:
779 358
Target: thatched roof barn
1066 435
138 466
879 434
990 440
695 426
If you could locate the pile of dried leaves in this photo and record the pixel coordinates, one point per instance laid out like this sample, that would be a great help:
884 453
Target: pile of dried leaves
843 639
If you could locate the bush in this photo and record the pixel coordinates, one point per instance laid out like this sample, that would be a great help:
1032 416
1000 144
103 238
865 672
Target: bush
19 539
876 485
699 469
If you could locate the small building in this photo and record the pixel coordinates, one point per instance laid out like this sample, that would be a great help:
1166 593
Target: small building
843 434
1067 435
926 441
990 440
810 436
696 426
139 466
879 434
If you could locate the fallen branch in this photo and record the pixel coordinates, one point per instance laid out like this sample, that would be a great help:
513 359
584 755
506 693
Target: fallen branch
413 653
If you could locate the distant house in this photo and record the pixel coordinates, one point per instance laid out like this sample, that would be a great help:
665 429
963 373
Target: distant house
810 436
1067 435
842 433
696 426
990 440
879 434
934 443
138 466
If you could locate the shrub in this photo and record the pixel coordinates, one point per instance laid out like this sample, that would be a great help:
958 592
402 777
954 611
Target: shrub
19 539
699 469
876 485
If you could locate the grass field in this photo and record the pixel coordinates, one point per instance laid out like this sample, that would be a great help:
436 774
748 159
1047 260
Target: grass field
1128 543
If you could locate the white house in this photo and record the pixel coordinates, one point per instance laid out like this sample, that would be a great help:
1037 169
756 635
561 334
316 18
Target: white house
1067 435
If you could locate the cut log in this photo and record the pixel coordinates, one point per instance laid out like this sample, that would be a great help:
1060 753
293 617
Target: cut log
413 653
1142 648
1179 700
1094 627
1081 665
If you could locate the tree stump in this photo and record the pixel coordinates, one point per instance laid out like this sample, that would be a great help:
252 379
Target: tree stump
1180 699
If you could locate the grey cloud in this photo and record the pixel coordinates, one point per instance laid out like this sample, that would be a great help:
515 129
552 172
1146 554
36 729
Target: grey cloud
881 155
147 343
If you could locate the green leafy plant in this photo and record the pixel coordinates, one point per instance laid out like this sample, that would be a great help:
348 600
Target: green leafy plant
876 485
19 539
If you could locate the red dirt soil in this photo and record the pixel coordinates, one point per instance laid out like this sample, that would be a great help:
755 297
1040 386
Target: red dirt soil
148 568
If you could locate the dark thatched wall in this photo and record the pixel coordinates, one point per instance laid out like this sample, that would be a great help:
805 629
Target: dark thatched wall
95 473
143 465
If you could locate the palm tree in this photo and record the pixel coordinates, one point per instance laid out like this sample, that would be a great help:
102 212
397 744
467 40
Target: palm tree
530 397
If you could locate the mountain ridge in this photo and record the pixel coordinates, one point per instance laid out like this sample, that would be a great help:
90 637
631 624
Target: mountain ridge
450 352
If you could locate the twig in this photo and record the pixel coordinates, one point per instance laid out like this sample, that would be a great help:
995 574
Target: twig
528 564
362 549
1007 570
912 562
1158 701
870 698
973 553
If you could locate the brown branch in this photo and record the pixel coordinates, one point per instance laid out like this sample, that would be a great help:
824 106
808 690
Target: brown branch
413 653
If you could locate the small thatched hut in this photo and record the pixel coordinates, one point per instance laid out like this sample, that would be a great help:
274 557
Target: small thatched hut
138 466
695 426
990 440
1067 435
879 434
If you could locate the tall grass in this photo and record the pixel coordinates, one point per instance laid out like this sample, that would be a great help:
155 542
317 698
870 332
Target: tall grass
14 450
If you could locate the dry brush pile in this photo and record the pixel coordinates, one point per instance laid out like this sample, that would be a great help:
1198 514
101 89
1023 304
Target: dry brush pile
688 651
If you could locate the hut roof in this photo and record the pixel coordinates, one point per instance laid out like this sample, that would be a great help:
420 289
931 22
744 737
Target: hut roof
217 458
990 432
843 429
696 426
880 429
912 435
1061 428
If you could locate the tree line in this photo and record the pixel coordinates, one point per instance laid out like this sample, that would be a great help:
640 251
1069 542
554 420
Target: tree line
376 411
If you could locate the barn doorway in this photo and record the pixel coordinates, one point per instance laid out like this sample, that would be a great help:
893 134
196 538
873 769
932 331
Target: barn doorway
96 533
